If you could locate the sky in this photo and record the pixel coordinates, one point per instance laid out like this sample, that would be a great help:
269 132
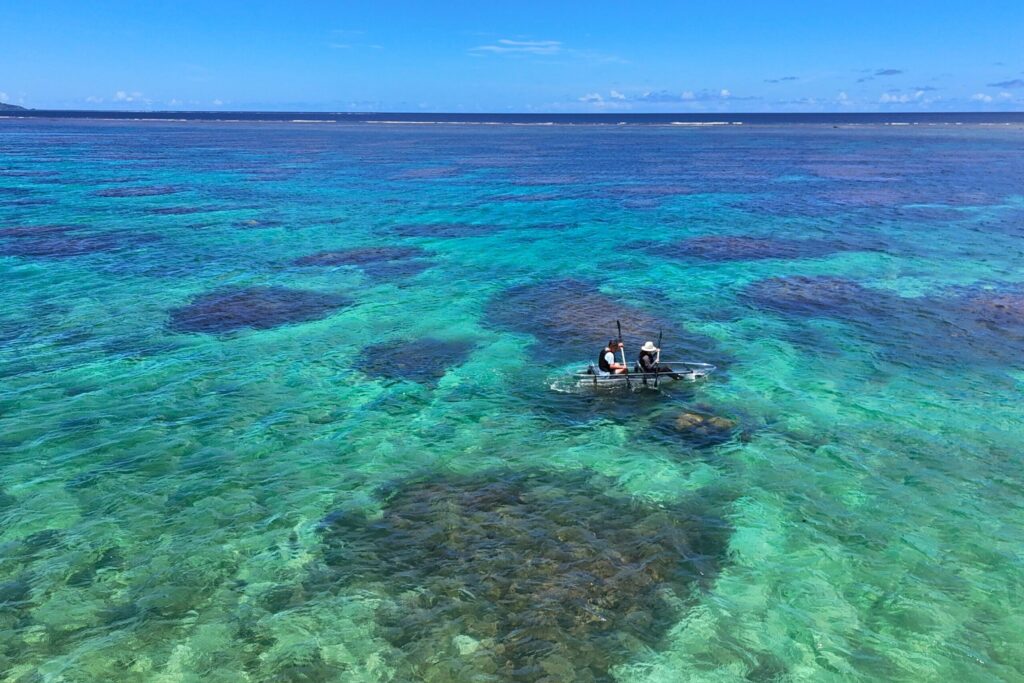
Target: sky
486 56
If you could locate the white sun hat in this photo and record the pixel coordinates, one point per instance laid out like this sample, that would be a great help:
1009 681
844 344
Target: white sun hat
649 347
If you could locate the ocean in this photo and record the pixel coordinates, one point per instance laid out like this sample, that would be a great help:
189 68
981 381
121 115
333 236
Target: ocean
294 401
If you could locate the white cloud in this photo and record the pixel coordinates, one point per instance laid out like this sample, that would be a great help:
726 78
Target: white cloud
125 96
981 97
173 102
616 95
217 103
1005 95
92 99
3 97
592 98
901 97
689 96
528 47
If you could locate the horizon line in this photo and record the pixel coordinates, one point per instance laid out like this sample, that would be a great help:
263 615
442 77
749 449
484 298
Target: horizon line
505 113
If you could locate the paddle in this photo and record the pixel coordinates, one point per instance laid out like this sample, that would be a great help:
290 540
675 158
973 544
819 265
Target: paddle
622 349
657 362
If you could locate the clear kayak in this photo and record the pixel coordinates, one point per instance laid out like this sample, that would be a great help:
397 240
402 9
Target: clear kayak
685 371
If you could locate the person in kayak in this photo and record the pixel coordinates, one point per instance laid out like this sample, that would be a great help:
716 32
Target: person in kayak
606 360
648 361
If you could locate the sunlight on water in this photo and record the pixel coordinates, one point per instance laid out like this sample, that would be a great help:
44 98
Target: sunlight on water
291 403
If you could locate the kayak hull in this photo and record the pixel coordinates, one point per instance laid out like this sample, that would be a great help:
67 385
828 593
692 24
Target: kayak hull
687 372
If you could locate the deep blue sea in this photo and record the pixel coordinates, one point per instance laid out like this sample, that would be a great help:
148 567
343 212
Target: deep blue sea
619 118
292 401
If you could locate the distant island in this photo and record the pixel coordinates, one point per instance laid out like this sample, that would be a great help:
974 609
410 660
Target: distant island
11 107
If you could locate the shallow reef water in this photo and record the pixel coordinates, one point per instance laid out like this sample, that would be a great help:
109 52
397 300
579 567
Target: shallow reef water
294 402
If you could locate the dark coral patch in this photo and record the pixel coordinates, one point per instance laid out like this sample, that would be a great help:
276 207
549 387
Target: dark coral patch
444 230
572 318
809 296
740 248
15 191
64 241
999 310
521 576
423 360
429 173
540 180
20 231
26 173
256 223
233 308
29 202
180 210
385 263
143 191
359 256
646 190
531 197
976 325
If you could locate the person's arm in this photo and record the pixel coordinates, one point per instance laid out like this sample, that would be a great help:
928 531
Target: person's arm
610 357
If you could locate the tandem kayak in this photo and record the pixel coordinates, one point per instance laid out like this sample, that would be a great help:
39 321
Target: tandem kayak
686 371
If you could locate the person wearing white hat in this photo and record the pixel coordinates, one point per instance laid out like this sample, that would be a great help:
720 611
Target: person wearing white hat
649 360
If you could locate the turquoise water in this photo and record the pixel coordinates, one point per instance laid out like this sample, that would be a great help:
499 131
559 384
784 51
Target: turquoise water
288 402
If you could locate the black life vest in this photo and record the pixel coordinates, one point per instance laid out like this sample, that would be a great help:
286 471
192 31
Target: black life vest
647 361
602 363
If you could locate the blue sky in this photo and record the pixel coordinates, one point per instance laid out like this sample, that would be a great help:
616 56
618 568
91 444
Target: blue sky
525 56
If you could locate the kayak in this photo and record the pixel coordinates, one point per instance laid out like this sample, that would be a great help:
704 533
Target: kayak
685 370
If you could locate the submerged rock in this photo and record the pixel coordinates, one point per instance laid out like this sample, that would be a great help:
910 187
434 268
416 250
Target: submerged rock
521 575
971 325
180 210
65 241
444 230
15 593
965 326
429 173
996 309
384 263
572 318
255 223
424 360
565 312
741 248
700 429
359 256
260 308
697 422
138 191
809 296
